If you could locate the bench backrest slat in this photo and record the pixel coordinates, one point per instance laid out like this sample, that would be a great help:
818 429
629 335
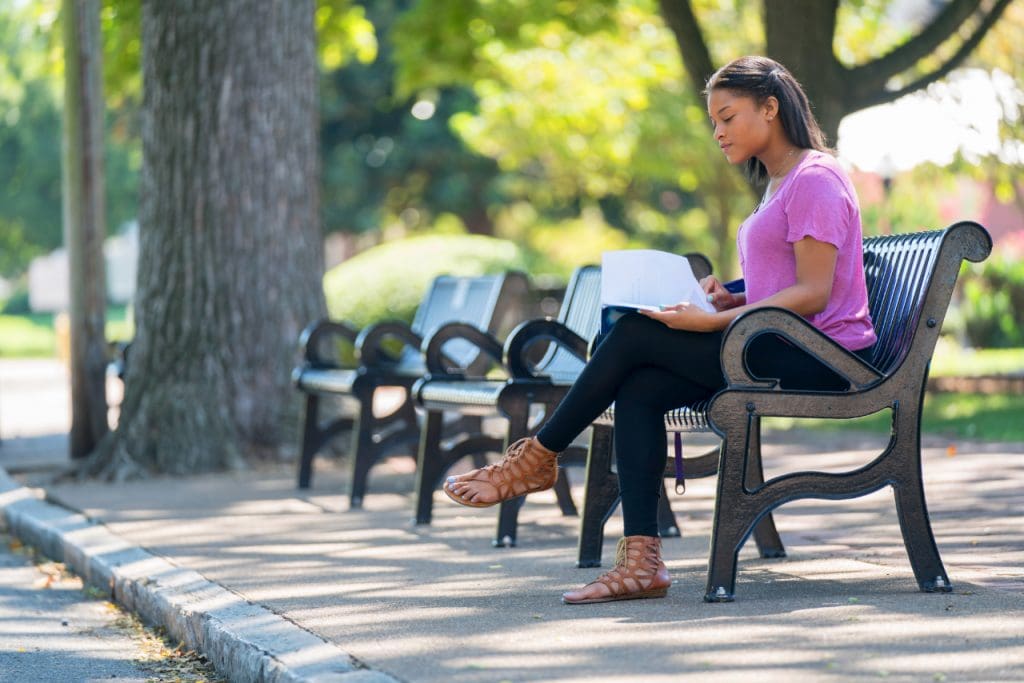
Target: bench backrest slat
482 301
580 312
897 269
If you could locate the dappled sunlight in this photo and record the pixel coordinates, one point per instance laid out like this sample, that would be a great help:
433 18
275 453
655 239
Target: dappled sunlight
392 593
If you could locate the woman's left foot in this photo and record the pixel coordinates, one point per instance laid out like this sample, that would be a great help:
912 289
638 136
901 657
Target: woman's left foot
638 573
527 467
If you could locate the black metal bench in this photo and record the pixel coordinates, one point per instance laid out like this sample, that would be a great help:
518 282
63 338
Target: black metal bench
910 281
389 355
532 383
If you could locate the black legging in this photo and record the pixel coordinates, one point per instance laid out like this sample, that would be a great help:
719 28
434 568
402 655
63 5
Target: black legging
648 369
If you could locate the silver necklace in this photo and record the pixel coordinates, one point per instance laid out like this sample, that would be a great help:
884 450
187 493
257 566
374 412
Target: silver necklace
768 193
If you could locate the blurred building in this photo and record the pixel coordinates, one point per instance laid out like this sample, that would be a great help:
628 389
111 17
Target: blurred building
49 278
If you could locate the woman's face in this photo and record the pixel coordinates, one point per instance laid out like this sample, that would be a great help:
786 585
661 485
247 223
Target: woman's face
742 127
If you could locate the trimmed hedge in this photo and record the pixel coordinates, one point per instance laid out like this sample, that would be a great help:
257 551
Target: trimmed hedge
387 282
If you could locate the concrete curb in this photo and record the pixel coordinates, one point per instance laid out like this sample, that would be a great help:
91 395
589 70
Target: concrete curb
245 642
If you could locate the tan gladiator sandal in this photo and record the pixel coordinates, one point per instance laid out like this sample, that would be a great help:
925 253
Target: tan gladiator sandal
638 573
527 467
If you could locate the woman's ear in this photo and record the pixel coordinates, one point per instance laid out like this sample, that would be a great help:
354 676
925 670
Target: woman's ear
770 108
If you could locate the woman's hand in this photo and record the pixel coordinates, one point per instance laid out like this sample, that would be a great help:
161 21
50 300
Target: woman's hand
685 316
718 296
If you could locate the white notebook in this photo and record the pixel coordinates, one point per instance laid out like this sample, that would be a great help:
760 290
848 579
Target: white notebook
646 279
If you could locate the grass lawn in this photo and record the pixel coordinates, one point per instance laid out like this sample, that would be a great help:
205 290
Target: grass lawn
951 360
33 335
988 417
27 336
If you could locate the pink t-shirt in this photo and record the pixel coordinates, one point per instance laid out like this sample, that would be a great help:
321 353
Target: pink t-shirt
816 199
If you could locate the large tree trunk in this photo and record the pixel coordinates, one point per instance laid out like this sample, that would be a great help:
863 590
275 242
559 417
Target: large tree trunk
799 33
230 247
85 222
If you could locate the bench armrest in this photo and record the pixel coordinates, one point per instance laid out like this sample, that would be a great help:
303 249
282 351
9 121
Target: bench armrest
369 343
438 364
529 333
797 331
315 334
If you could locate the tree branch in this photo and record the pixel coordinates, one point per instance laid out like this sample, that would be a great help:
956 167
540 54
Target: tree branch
875 74
881 95
679 17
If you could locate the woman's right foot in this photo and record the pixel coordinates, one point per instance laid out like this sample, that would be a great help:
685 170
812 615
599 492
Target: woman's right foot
527 467
638 573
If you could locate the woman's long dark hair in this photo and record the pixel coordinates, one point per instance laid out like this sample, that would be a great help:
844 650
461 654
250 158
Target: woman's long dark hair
761 78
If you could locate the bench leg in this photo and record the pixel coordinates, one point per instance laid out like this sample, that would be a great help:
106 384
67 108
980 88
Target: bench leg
315 436
403 439
508 511
430 466
564 493
508 522
913 515
668 527
364 450
733 515
601 495
769 545
309 441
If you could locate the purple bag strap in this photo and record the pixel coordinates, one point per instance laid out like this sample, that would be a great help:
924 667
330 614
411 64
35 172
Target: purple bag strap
680 474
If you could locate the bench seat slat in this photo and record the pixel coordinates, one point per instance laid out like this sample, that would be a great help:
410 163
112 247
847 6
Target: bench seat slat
325 381
455 395
687 419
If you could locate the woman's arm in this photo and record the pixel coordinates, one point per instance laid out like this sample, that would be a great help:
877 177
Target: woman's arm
815 270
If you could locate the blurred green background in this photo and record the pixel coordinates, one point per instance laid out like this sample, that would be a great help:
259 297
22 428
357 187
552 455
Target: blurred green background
477 136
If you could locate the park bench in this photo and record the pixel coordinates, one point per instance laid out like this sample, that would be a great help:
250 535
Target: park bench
388 355
910 281
534 381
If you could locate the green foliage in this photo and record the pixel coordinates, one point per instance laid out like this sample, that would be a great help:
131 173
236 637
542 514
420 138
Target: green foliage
555 248
344 33
591 114
17 302
388 281
391 154
121 31
991 306
31 86
449 42
912 202
30 144
864 31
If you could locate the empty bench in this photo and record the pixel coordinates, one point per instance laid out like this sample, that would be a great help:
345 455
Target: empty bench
388 355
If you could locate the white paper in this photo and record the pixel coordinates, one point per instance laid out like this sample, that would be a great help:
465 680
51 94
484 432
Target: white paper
647 278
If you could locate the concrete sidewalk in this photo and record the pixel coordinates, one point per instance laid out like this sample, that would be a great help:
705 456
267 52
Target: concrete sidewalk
286 585
438 603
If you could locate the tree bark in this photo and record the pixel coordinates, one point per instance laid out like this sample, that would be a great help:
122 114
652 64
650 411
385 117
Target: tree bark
85 222
231 261
799 34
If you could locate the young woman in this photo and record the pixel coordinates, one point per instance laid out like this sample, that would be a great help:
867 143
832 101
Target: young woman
800 249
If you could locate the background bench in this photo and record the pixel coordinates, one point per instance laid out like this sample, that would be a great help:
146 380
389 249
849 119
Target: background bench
536 384
389 355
